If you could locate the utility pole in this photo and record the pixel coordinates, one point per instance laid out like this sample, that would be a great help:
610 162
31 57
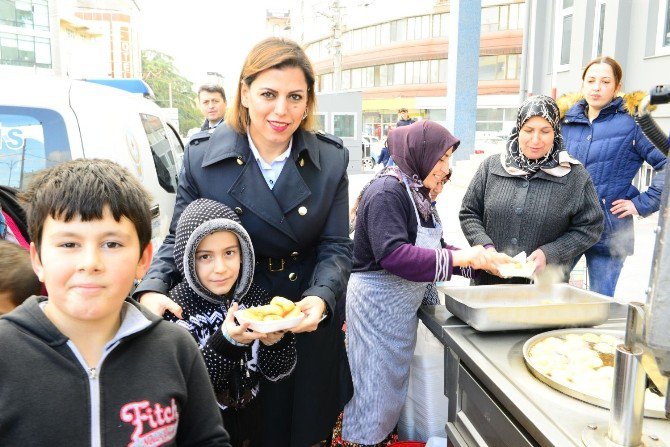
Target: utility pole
337 45
23 159
335 17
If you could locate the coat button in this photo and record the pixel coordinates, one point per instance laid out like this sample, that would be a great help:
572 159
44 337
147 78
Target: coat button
292 276
240 161
518 210
301 162
302 210
295 254
514 241
238 211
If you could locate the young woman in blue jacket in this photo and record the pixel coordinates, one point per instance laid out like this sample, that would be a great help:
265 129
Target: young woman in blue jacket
600 132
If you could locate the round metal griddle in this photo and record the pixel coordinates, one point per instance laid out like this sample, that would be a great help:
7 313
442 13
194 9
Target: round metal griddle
654 405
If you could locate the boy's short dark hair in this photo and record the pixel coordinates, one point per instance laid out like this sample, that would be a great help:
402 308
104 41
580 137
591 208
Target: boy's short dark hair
212 88
18 279
83 187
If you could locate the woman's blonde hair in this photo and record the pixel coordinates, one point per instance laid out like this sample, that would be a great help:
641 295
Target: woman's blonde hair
278 53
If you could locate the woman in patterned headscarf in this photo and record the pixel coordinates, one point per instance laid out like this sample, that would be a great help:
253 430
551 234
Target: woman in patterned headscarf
398 255
533 197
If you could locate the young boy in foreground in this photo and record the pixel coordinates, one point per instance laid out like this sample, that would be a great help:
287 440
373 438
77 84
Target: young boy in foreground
87 366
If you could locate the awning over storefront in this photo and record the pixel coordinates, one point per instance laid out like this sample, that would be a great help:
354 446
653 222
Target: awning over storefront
389 104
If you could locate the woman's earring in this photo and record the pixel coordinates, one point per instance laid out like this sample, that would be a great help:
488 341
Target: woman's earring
304 115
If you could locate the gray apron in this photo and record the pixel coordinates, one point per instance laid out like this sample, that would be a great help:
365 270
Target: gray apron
381 310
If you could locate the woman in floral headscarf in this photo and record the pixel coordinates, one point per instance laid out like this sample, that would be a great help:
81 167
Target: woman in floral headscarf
533 197
398 255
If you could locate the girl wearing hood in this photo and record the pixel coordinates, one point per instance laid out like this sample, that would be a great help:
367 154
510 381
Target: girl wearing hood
533 197
214 254
398 256
600 132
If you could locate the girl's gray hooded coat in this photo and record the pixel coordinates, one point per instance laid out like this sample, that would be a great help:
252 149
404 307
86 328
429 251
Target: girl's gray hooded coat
235 371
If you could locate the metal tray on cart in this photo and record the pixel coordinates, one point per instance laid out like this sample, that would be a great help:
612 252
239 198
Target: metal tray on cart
526 306
654 406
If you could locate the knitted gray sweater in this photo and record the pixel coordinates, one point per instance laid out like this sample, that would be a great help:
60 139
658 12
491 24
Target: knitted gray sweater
559 215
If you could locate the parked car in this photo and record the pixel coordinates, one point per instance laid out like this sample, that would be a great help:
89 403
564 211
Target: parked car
45 120
372 148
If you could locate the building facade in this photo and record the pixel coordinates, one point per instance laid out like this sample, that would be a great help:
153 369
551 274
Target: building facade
566 34
74 38
28 35
399 58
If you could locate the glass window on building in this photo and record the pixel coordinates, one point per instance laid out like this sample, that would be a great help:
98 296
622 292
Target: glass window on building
398 74
666 29
385 33
346 79
436 114
490 120
516 15
599 28
487 68
423 74
436 25
512 66
440 25
9 49
41 15
410 28
370 37
30 140
320 122
393 31
26 51
357 39
443 70
500 67
326 84
504 17
409 72
501 64
566 32
434 75
425 27
25 14
383 76
369 77
490 19
344 125
356 81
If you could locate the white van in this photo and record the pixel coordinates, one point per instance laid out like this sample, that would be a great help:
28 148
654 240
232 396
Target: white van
46 120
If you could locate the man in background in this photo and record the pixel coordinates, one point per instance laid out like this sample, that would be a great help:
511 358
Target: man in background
212 104
404 120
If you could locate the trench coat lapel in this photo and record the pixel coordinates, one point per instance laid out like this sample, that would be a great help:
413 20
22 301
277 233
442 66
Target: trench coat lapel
251 190
290 189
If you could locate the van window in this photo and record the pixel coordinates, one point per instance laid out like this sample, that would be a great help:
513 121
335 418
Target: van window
177 145
31 139
161 152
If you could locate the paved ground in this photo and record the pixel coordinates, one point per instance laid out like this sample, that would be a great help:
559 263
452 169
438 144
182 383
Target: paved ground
634 278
